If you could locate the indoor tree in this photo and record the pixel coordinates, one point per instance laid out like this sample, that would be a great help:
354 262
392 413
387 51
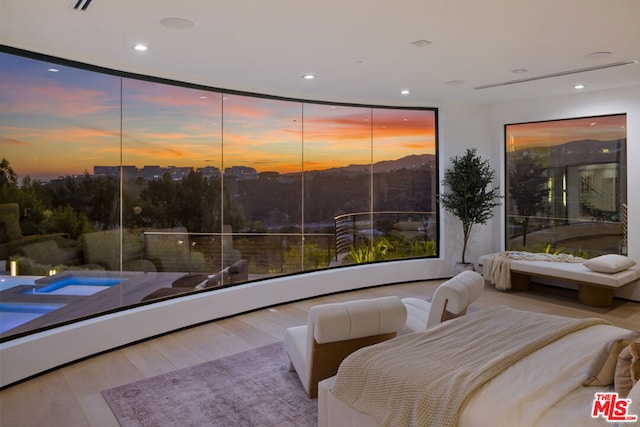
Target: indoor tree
528 188
466 192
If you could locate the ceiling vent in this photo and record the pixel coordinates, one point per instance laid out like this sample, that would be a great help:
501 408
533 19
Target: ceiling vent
82 4
561 73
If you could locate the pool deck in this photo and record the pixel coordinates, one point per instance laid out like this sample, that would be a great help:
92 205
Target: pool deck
130 291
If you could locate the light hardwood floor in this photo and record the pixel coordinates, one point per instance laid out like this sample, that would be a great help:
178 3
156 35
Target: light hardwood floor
70 396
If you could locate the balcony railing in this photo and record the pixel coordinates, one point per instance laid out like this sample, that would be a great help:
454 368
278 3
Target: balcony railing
354 228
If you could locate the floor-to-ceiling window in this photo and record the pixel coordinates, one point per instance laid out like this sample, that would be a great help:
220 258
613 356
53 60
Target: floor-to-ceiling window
117 189
566 185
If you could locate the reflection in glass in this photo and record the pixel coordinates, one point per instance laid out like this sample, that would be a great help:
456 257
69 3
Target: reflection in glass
567 187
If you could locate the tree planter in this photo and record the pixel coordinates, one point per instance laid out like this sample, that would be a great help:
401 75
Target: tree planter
466 195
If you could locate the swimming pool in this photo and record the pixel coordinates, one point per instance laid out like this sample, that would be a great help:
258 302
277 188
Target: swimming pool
72 285
7 282
50 293
14 314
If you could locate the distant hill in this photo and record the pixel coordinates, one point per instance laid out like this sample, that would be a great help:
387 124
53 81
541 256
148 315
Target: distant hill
580 152
408 162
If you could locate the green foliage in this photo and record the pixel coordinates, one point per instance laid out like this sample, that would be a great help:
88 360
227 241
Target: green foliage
423 248
7 174
551 248
386 248
66 220
28 267
376 251
315 258
466 195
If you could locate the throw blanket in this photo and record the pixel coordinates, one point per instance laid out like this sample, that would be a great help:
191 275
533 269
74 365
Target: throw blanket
498 271
425 378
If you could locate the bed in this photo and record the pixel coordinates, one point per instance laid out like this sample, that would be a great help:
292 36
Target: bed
484 369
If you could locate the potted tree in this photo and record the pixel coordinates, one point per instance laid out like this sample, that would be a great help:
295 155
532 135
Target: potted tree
466 194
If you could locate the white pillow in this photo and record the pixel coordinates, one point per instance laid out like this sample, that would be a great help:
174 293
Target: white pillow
634 407
610 263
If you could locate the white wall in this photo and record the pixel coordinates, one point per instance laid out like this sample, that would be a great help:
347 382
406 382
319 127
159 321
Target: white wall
462 127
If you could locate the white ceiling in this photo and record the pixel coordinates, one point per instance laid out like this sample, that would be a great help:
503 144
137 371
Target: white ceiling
360 50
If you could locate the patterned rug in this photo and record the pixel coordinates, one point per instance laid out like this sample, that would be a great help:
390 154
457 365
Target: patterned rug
253 388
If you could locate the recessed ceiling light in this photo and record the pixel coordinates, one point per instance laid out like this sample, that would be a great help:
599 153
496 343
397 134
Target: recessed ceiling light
578 86
308 77
177 23
455 82
53 70
141 47
422 43
519 70
597 55
405 92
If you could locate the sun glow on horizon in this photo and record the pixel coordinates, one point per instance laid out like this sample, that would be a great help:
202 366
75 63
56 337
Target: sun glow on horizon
65 123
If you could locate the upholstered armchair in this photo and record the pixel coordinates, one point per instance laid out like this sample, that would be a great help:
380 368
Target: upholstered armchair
333 331
451 299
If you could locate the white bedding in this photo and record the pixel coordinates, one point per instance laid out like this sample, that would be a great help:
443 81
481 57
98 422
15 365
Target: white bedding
543 389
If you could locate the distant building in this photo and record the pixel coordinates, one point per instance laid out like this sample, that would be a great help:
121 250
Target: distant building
210 172
177 173
129 172
241 173
105 170
150 173
269 176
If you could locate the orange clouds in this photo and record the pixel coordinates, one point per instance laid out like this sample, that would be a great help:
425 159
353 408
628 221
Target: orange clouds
65 123
541 134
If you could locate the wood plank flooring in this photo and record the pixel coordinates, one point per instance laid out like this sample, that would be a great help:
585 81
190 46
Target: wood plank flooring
70 396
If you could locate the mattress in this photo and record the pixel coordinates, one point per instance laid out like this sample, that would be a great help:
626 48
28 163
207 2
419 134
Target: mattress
542 389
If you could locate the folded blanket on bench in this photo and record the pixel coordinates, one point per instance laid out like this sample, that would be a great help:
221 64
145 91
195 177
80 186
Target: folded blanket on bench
497 268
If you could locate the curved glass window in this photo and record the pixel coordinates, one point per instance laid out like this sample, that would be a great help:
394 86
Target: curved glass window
118 190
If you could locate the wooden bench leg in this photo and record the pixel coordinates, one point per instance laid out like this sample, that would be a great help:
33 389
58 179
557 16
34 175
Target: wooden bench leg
520 282
595 296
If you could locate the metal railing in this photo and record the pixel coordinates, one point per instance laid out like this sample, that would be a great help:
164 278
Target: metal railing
355 227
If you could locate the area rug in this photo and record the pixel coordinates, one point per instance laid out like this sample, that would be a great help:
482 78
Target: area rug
253 388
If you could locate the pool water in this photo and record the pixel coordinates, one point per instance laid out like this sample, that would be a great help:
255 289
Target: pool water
7 282
14 314
80 286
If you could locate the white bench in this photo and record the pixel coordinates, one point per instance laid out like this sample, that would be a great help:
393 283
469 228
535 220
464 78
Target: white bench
594 289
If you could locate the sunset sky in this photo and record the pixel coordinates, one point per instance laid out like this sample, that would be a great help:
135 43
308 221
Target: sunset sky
550 133
56 123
